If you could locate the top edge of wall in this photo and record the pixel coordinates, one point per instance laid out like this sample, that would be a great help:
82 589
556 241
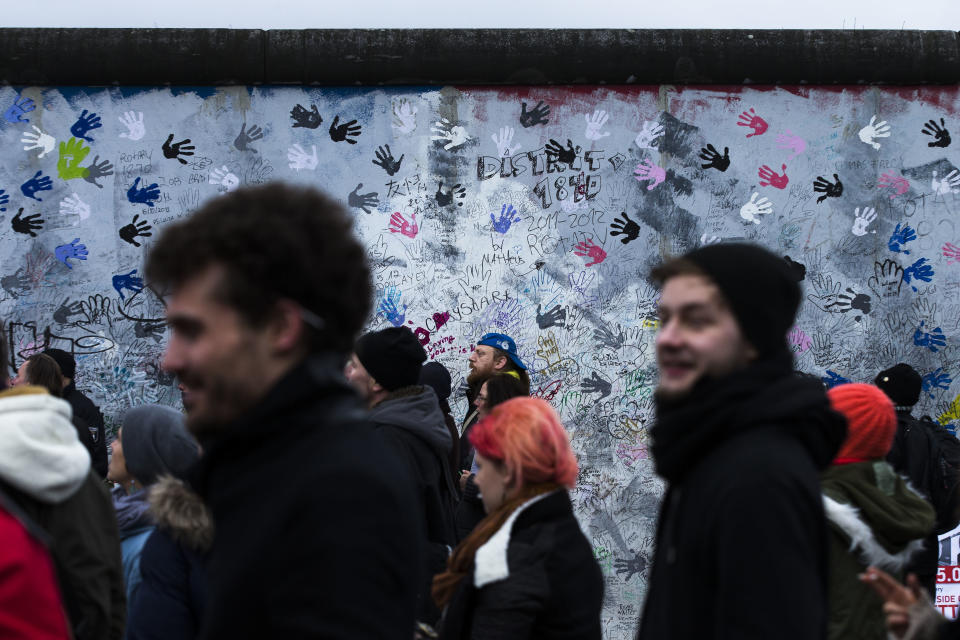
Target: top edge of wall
344 57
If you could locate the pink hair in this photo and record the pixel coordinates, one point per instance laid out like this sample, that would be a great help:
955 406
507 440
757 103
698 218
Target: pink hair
526 434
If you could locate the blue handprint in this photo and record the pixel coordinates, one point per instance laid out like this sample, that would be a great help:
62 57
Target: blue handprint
4 199
74 250
84 124
919 270
936 380
145 195
502 224
833 379
389 307
932 340
20 106
127 281
901 237
36 183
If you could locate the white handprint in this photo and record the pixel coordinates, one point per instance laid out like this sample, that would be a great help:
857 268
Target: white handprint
862 220
38 140
503 141
707 240
595 123
949 184
648 136
755 207
300 159
74 206
404 116
455 135
871 132
133 121
225 178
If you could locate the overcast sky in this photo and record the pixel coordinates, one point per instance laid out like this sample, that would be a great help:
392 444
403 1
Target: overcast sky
638 14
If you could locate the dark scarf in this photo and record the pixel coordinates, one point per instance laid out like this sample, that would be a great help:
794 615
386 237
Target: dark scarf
132 510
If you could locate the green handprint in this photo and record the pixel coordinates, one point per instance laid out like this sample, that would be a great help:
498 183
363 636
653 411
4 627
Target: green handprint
72 153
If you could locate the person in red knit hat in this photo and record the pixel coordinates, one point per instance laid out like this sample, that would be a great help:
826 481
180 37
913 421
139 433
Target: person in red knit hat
874 517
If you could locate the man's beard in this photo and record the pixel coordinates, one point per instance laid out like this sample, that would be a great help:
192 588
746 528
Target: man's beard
476 377
223 404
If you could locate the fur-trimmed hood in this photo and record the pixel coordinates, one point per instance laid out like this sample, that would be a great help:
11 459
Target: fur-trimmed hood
181 513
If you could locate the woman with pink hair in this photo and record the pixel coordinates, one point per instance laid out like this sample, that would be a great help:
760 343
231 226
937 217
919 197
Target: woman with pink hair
526 570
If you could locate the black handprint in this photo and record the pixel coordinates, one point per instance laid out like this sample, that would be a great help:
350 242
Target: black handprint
174 151
631 567
65 310
98 170
568 155
130 232
537 115
828 189
244 138
553 317
626 228
15 283
941 137
595 384
607 338
339 133
303 118
362 200
714 159
27 225
444 199
149 330
386 161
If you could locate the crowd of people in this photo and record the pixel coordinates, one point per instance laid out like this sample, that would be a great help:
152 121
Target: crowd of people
318 485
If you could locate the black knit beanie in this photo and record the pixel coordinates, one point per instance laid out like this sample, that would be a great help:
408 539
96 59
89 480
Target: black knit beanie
392 356
436 376
760 288
156 442
901 383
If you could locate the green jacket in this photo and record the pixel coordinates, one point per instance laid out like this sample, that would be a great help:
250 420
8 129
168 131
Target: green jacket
874 519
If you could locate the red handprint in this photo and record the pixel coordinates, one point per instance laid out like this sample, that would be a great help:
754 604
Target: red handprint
755 122
951 252
773 179
898 183
587 248
399 224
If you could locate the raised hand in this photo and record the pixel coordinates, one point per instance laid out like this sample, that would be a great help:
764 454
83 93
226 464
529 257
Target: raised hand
887 279
646 170
899 184
605 337
127 281
445 198
870 133
627 228
98 170
798 340
502 224
755 122
404 117
919 270
133 121
822 349
348 131
587 249
399 224
941 137
756 206
130 232
827 188
359 200
503 140
596 384
300 159
308 119
245 137
74 206
74 250
628 568
554 317
454 135
595 123
28 225
568 155
791 142
84 124
862 220
175 150
15 111
770 178
537 115
951 252
389 307
225 178
936 380
66 309
850 299
38 140
146 195
714 159
826 293
949 184
901 237
932 340
38 182
386 161
649 135
72 153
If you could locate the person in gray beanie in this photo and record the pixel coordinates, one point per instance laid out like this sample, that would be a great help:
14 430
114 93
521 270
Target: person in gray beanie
152 441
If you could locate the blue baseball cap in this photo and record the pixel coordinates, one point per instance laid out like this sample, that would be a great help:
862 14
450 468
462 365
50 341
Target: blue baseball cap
505 343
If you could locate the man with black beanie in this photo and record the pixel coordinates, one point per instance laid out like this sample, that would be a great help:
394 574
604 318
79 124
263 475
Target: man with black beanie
83 408
740 441
927 454
385 368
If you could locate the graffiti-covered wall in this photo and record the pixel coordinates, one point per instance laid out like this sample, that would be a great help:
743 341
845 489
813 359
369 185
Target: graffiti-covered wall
535 211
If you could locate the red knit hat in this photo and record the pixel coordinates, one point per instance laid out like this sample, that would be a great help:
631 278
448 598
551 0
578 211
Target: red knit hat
871 421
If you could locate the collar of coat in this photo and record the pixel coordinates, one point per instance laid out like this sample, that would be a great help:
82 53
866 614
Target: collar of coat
490 560
862 540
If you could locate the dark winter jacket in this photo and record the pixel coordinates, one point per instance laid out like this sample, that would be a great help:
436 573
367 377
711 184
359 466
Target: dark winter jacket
89 414
742 531
537 580
874 520
173 591
316 534
412 424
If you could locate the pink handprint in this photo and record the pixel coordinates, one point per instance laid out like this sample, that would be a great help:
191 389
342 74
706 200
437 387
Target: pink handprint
773 179
587 248
649 171
898 183
755 122
791 142
951 252
399 224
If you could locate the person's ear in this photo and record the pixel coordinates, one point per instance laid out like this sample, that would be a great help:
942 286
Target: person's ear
500 363
286 326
